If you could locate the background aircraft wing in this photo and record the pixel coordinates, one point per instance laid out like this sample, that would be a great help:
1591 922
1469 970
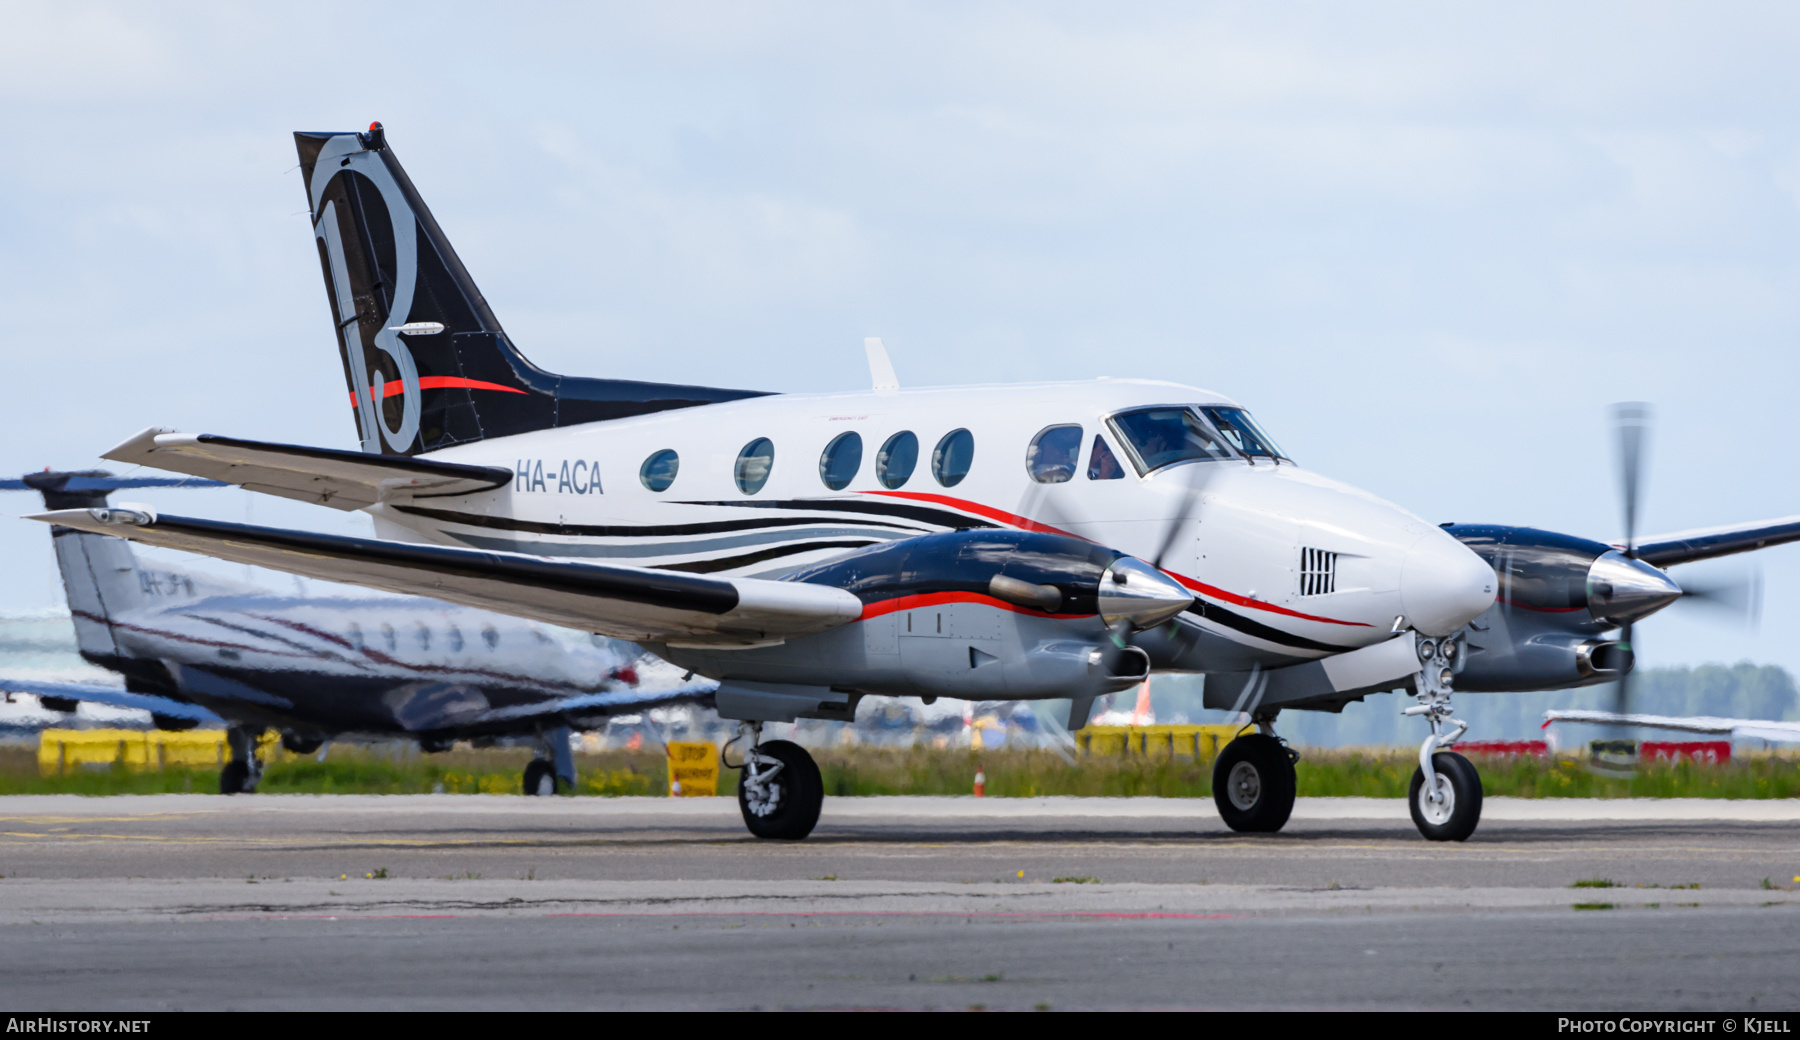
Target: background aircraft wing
636 603
1667 550
1761 729
110 695
322 476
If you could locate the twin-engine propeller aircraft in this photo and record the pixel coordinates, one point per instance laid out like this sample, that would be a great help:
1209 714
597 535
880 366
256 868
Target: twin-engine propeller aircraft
194 649
1049 540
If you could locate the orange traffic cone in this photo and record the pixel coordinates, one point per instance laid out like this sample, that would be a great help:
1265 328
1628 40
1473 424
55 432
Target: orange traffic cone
980 783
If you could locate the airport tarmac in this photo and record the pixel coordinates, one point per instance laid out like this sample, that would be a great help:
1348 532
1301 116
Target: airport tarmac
265 902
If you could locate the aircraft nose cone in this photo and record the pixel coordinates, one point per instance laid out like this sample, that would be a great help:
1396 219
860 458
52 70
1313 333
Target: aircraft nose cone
1623 589
1443 585
1133 590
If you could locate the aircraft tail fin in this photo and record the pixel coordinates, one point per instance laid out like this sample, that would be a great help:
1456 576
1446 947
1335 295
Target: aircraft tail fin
102 578
428 364
100 575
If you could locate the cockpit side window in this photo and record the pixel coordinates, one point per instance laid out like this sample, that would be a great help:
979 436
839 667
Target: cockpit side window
1166 435
1102 463
1243 433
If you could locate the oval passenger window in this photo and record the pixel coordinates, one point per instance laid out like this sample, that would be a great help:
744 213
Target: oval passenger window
894 465
1051 457
753 464
658 471
840 461
951 459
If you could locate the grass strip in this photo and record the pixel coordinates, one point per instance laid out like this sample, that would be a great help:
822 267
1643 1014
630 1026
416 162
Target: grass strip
401 769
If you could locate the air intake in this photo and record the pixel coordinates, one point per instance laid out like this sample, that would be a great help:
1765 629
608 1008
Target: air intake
1318 572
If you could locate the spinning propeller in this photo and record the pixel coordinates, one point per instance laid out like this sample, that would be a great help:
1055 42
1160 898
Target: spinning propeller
1738 597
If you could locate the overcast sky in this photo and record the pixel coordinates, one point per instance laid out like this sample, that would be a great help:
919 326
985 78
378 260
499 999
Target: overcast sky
1427 244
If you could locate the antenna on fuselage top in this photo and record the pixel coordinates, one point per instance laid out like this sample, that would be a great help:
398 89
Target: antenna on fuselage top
881 370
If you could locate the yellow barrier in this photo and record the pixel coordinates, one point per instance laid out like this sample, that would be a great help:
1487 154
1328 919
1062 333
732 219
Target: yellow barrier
64 750
693 769
1198 741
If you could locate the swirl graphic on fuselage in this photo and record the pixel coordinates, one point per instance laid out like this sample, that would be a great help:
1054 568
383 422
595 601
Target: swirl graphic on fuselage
347 154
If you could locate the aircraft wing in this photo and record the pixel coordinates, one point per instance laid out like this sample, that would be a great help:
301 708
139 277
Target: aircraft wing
322 476
111 695
1760 729
640 604
1667 550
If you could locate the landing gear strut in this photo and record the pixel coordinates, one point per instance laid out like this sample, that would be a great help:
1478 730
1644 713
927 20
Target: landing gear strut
780 792
1253 780
245 770
1445 794
553 768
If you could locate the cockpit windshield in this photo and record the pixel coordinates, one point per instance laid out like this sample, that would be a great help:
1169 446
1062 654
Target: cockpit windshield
1166 435
1243 433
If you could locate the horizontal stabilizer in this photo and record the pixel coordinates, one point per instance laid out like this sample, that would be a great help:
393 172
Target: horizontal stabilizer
1667 550
322 476
1743 729
110 695
635 603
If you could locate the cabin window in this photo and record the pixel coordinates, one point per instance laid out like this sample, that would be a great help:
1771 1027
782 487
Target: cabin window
491 636
356 636
1102 463
387 636
840 460
1053 454
454 638
894 465
951 458
1168 435
423 635
658 471
1237 427
753 465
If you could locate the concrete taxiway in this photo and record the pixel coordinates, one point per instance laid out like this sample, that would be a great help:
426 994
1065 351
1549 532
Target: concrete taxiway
498 902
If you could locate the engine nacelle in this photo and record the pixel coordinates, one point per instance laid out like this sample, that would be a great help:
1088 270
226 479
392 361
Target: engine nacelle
1542 661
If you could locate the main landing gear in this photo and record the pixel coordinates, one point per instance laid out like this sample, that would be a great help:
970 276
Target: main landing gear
245 770
780 792
1253 780
1445 795
552 770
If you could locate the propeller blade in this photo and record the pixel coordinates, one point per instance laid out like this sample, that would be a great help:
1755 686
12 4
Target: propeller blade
1631 428
1622 697
1736 598
1189 499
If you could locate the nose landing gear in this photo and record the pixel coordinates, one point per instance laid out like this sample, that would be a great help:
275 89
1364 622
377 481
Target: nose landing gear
1445 794
780 792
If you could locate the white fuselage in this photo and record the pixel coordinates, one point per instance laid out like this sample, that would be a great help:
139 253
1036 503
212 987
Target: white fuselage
1255 539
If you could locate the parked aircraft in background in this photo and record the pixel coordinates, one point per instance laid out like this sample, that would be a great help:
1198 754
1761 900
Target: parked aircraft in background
1047 540
1773 730
193 649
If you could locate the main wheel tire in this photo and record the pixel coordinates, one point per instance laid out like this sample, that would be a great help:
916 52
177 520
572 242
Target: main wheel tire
1253 784
795 795
235 778
1456 817
298 744
540 778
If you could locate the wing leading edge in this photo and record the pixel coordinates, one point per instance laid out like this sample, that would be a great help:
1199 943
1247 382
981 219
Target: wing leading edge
634 603
1667 550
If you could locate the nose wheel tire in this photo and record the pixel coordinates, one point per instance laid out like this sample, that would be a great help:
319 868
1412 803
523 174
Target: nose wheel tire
1455 816
235 778
1253 784
786 804
540 778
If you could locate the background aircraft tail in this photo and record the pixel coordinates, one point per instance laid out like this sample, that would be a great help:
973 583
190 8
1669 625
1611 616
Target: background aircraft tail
427 362
103 579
